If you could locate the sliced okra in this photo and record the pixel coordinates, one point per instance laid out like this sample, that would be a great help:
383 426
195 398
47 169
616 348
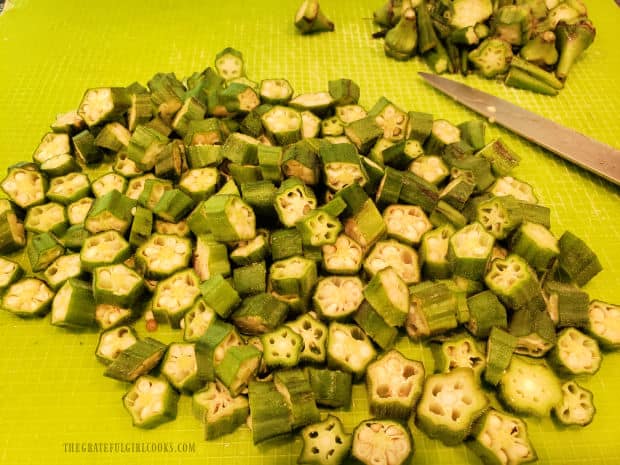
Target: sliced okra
74 305
174 296
282 124
52 144
417 191
229 218
212 346
444 213
314 336
363 133
375 326
501 438
49 217
270 162
250 279
432 310
181 367
390 253
24 186
69 188
400 155
349 349
450 404
302 160
68 123
239 97
259 314
513 281
136 186
469 251
337 297
507 185
108 316
162 255
310 19
459 351
86 151
173 205
344 256
203 156
503 159
205 132
604 323
241 174
117 285
382 441
60 165
293 201
419 125
220 295
485 312
536 244
113 137
530 387
141 226
310 125
220 412
63 268
42 250
113 341
341 166
431 168
141 109
394 384
457 192
126 167
275 91
332 127
297 390
108 182
295 275
350 112
252 251
113 211
389 296
269 411
406 223
500 347
499 215
281 347
106 248
229 64
575 353
136 360
567 305
577 260
390 118
324 443
145 146
103 104
318 228
197 320
576 407
192 109
434 252
152 192
334 206
10 272
534 330
199 183
210 257
260 196
75 236
28 297
78 210
332 388
150 402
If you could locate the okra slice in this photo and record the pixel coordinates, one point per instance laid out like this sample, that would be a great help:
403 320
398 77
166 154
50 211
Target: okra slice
575 353
10 272
394 385
239 365
389 296
106 248
310 19
259 314
145 146
460 351
78 210
332 127
332 388
577 260
141 226
212 346
457 192
385 442
69 188
252 251
113 137
173 205
113 341
507 185
281 347
295 275
52 144
49 217
293 201
42 250
500 438
152 192
60 165
485 312
74 305
250 279
179 228
604 323
318 228
344 256
181 367
349 113
162 255
337 297
434 252
499 215
431 168
282 124
103 104
450 404
432 310
63 268
314 338
530 387
107 183
341 166
174 296
197 320
229 64
349 349
126 167
218 294
285 243
364 133
390 253
113 211
210 257
199 183
220 412
567 305
406 223
229 218
275 91
576 407
418 191
536 244
150 402
28 297
136 360
117 285
68 123
24 186
108 316
136 186
534 330
469 251
500 347
325 443
513 281
269 410
375 326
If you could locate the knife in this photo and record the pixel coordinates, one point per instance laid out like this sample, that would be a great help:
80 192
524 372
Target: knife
571 145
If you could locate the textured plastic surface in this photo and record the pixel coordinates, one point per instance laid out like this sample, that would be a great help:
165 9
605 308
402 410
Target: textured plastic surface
55 405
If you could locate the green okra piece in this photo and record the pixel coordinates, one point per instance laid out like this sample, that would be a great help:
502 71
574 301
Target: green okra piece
301 160
78 210
522 80
569 342
281 347
10 272
337 297
197 320
171 162
161 123
485 312
250 279
450 391
349 113
444 213
498 436
390 253
113 211
69 188
269 410
212 345
192 109
431 168
107 183
125 167
260 196
318 228
344 91
174 296
457 192
469 251
549 79
311 124
50 217
499 215
324 442
113 137
502 159
437 59
458 351
401 154
220 412
85 148
68 123
229 218
205 132
390 118
442 134
28 297
540 50
109 316
314 335
25 185
349 349
500 347
162 255
417 191
238 366
210 257
183 367
374 174
571 41
577 405
473 133
140 111
604 323
242 174
576 260
270 162
375 326
116 285
343 256
75 236
141 226
153 191
180 228
241 149
341 166
363 133
534 330
513 281
389 188
282 124
394 385
60 165
334 207
383 437
285 243
310 19
332 388
366 226
259 314
432 310
167 94
42 249
113 341
314 104
275 91
103 104
492 57
240 96
173 205
150 402
74 305
530 387
536 244
427 38
52 144
513 24
389 296
145 146
567 305
401 41
203 155
419 126
295 275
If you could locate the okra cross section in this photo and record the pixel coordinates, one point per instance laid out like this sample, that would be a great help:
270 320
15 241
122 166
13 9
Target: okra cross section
150 402
318 228
390 253
113 341
344 256
457 352
281 347
314 336
162 255
106 248
220 412
337 297
175 295
406 223
349 349
576 407
181 367
513 281
470 250
26 187
117 285
296 275
604 323
28 297
325 443
575 353
229 218
74 305
293 201
10 272
381 442
389 296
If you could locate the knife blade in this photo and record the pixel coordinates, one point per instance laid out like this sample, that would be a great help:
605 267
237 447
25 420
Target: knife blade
569 144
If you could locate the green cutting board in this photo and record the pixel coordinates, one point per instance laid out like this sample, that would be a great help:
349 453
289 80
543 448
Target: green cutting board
55 405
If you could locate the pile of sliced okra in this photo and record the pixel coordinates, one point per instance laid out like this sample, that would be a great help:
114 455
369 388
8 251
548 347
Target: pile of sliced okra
291 241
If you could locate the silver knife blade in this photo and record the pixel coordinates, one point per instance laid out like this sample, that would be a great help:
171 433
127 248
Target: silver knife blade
569 144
